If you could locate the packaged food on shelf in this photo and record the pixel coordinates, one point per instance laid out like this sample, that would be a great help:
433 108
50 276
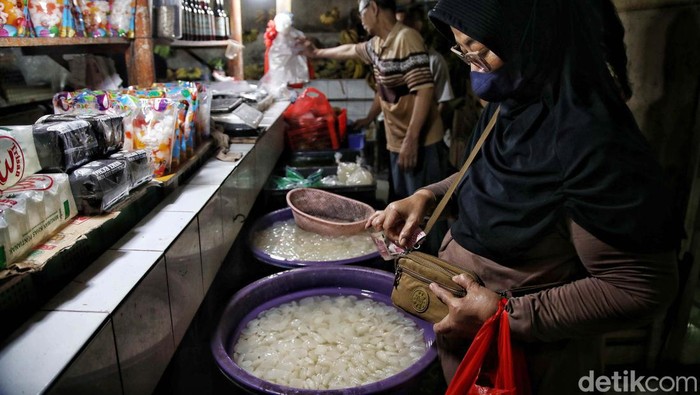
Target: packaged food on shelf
95 16
138 165
18 156
203 120
99 185
64 146
46 17
155 131
31 211
108 129
121 18
13 23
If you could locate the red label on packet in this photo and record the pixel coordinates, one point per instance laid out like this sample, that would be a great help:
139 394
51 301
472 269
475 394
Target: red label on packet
389 250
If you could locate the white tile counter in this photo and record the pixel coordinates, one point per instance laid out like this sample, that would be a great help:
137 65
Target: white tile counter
115 327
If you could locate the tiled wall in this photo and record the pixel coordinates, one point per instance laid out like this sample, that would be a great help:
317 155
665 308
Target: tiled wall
354 95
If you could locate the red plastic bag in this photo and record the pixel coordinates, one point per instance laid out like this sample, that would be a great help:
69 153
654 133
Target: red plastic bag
311 122
492 366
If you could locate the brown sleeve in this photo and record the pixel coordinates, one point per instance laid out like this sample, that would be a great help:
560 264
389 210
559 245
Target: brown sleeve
440 188
624 290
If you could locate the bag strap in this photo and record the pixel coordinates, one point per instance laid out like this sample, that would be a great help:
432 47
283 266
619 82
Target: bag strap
477 147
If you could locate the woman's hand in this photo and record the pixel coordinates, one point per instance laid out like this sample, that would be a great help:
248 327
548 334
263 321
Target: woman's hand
467 314
402 218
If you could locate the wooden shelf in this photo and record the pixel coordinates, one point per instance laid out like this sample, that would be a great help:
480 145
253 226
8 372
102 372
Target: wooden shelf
35 99
6 42
195 44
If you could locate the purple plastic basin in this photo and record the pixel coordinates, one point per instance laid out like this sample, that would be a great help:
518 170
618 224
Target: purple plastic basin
298 283
284 214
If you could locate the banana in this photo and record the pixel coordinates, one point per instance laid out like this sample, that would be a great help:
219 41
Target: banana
349 36
330 17
359 70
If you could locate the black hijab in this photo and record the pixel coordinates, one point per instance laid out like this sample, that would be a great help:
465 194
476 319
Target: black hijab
565 144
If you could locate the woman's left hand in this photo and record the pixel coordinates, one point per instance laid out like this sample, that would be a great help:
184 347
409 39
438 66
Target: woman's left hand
466 314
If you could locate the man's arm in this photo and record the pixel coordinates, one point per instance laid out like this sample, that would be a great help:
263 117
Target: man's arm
371 116
408 157
341 52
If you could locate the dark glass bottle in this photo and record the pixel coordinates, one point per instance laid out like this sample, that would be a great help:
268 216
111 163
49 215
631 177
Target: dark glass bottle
220 16
188 22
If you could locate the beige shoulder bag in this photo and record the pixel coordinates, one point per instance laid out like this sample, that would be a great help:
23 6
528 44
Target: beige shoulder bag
415 270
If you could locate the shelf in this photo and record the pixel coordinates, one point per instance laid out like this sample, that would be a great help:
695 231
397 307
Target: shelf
6 42
35 99
196 44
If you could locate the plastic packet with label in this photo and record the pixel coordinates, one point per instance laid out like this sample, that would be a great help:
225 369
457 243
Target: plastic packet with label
139 166
18 156
108 129
99 185
64 146
30 213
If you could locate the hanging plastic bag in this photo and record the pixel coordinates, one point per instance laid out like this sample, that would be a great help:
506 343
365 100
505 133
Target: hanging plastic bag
285 65
492 366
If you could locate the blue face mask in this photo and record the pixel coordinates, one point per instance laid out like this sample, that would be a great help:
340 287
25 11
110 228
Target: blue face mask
495 86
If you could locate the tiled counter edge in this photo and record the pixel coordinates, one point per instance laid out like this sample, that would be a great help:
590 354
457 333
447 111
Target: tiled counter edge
114 328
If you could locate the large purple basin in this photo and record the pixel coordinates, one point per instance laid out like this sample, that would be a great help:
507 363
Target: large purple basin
298 283
284 214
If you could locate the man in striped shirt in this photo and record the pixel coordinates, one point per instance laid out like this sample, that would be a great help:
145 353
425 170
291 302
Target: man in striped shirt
404 94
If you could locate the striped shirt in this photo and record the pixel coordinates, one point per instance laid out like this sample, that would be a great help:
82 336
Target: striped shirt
401 67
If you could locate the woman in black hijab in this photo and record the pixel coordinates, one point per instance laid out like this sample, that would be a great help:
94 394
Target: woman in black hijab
564 210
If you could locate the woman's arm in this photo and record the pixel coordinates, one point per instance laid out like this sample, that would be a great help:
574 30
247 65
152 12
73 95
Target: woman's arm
625 289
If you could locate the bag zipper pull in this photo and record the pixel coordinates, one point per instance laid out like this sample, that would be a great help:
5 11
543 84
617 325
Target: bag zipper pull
397 275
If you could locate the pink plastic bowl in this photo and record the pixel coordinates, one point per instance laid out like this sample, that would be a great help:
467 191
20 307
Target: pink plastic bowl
327 213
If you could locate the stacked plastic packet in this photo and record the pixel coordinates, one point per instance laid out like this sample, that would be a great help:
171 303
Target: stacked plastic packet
108 129
99 185
31 211
138 166
67 18
64 146
17 154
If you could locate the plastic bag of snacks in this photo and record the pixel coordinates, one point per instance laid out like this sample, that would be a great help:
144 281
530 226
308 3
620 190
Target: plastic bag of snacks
203 120
121 18
18 156
95 17
46 17
31 211
12 19
178 149
154 131
68 28
185 92
99 185
76 18
64 146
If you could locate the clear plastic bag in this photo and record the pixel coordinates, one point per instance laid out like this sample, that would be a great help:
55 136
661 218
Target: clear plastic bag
285 64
